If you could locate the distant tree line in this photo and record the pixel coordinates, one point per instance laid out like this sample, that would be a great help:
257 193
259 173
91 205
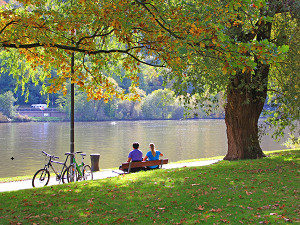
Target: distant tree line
157 100
160 104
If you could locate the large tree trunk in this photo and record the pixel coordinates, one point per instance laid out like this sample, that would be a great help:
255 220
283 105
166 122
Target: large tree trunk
242 112
246 95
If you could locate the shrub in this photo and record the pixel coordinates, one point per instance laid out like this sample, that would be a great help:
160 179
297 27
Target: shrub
128 110
21 118
7 101
158 105
3 118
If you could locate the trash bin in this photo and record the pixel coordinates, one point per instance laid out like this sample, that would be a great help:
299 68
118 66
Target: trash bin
95 162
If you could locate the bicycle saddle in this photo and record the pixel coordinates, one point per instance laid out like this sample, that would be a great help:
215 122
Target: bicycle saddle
69 153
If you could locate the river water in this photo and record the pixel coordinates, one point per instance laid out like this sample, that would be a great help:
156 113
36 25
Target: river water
178 140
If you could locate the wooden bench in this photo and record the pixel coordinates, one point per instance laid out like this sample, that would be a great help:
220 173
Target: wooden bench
131 165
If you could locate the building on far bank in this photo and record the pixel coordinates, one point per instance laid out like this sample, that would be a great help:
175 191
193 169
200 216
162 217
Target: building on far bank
40 112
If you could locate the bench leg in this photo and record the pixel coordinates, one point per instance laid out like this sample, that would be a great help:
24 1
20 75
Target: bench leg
129 168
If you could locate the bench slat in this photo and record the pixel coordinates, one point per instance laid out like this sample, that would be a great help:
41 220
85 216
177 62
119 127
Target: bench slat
144 163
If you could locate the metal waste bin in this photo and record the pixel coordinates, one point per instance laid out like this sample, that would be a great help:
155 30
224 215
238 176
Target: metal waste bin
95 162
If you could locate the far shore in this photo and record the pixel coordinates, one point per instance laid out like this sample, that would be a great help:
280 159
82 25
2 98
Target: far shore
41 119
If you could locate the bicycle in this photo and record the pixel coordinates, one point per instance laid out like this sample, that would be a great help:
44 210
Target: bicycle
82 171
41 177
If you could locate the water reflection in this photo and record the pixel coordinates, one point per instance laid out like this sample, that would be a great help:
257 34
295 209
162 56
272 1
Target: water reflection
178 140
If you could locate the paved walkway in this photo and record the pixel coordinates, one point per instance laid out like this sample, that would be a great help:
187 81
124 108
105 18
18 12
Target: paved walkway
26 184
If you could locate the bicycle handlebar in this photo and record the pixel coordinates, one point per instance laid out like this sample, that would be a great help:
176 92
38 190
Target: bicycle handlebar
72 153
51 156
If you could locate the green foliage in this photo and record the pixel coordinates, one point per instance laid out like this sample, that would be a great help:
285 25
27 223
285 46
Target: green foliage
3 118
21 77
250 191
85 110
7 102
46 119
128 110
9 82
284 79
21 118
160 104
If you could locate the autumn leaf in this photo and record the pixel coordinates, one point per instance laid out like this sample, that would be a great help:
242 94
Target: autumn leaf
200 207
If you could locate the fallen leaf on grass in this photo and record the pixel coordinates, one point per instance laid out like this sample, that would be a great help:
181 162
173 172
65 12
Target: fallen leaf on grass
216 210
200 207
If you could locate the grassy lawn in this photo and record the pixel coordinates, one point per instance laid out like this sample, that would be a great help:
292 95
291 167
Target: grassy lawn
249 192
29 177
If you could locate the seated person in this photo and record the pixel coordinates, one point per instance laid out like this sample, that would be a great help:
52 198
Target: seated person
152 155
135 156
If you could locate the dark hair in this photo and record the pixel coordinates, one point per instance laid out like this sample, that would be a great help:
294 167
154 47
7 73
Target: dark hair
136 145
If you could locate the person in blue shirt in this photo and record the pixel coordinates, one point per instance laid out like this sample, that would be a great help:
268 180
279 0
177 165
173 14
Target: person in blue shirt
152 155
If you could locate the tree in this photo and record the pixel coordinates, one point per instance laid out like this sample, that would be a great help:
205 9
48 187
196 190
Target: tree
105 35
230 46
7 101
158 104
211 46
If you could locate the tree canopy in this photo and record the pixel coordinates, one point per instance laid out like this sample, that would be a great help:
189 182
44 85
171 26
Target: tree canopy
239 47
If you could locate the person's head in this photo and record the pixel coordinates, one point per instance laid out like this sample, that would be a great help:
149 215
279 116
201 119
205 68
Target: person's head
152 146
135 145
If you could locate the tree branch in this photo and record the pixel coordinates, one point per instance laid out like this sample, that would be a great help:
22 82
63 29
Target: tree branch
94 35
143 4
8 24
77 49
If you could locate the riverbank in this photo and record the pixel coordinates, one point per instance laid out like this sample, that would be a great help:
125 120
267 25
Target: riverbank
249 191
106 173
58 119
29 177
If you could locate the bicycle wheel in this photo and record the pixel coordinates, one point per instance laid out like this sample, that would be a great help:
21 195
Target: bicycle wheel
41 178
72 174
87 173
64 177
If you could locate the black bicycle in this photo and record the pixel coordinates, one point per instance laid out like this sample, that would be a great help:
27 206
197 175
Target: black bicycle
41 177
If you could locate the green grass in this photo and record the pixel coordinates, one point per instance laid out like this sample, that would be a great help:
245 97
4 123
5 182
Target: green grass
28 177
196 160
248 191
18 178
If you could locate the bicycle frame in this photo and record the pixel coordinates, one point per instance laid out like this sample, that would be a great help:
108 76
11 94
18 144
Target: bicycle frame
49 164
78 166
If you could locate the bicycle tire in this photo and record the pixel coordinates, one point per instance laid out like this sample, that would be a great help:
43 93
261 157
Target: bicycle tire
72 174
87 173
41 175
64 177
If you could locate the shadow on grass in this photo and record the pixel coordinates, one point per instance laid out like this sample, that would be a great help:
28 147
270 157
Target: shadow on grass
248 191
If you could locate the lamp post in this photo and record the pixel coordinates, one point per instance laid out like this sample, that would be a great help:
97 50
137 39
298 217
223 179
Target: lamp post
72 139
